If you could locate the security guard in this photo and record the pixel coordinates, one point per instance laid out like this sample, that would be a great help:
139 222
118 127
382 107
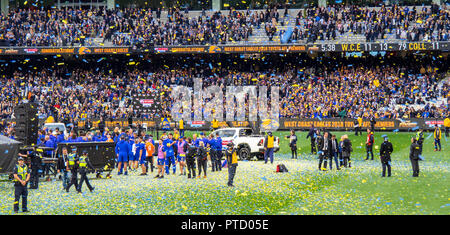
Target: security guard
385 156
414 157
232 162
73 167
268 147
84 163
21 178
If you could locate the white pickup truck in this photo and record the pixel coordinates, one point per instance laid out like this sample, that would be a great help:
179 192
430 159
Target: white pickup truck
248 145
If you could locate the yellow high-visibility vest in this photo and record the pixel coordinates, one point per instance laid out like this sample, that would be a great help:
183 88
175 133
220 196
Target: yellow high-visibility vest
270 140
22 172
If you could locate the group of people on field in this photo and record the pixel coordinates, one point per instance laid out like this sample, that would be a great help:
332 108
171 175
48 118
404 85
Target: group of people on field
192 155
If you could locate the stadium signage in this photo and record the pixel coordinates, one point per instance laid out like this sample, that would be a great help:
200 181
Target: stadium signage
325 47
111 50
211 49
333 123
57 50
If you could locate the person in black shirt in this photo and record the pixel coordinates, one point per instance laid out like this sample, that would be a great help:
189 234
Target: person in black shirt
414 151
293 144
334 152
385 156
191 152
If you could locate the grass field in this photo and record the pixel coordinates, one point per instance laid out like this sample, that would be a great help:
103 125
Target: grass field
259 190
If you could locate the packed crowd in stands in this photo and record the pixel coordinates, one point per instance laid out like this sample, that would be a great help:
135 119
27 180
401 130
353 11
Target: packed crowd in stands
130 26
143 27
410 23
309 88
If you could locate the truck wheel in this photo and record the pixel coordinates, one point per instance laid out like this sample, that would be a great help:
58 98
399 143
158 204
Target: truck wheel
244 153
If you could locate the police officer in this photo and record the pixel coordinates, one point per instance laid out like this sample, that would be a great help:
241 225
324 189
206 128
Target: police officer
414 156
84 163
232 162
73 168
385 156
21 178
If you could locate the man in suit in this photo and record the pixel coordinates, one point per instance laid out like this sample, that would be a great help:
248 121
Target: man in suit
324 147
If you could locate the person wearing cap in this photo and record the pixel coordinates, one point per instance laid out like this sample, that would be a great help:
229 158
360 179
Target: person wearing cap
232 162
385 156
369 144
268 147
73 167
21 178
84 163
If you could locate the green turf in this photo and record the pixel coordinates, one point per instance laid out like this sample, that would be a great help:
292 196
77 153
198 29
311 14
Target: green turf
258 190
